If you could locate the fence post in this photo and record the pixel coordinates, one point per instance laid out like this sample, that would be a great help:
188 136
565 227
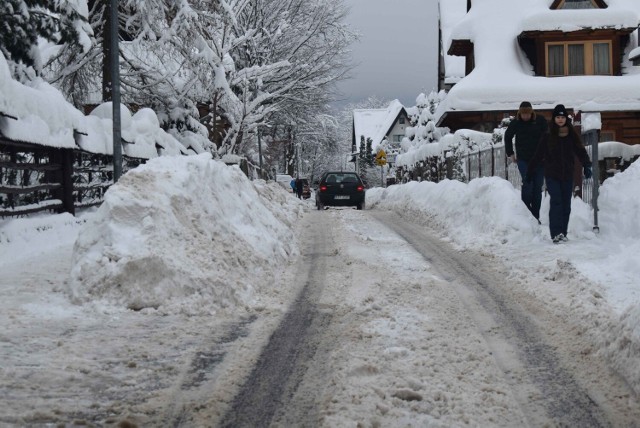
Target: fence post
592 123
66 160
493 163
506 165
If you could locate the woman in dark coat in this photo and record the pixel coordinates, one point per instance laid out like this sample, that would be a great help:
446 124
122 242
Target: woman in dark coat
556 153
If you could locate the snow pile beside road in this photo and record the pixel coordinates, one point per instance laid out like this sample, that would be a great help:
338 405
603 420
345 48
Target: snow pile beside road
488 207
22 238
619 204
184 235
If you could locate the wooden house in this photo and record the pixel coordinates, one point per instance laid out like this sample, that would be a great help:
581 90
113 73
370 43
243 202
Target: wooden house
379 124
580 53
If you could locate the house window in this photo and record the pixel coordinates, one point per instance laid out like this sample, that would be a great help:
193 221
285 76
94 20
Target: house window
579 58
398 138
601 61
401 120
577 4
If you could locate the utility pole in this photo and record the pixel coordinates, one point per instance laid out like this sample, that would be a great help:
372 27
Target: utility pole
115 89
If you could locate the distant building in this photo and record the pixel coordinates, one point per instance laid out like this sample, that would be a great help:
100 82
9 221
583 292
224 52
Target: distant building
379 124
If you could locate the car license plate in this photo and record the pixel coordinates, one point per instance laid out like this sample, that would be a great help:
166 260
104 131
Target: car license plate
342 197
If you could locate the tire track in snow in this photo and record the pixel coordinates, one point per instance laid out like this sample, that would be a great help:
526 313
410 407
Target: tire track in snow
283 362
547 391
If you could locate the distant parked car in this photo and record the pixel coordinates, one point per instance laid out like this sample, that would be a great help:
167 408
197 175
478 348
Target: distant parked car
285 181
340 189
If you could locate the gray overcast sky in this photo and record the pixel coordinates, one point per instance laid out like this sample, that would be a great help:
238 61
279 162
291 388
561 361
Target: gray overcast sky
397 56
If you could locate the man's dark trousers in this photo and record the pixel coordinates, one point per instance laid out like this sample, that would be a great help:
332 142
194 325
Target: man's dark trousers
531 192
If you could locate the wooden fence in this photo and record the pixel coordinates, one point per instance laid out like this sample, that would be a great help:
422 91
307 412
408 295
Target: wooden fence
36 178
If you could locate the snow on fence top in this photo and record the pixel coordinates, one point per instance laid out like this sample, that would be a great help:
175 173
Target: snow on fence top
38 113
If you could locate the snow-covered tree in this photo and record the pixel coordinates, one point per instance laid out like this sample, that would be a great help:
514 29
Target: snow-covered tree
22 22
250 62
423 131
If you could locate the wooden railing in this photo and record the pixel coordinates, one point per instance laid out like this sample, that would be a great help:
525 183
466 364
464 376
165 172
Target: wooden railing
36 178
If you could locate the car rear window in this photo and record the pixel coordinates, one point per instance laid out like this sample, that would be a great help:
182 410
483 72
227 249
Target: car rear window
341 178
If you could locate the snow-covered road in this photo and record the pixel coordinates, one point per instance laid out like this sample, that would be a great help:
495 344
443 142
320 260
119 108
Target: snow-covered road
446 344
376 322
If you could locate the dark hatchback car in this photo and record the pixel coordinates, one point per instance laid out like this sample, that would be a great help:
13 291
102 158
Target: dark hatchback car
340 189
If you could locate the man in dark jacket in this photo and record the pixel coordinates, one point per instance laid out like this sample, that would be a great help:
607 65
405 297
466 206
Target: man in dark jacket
299 187
527 128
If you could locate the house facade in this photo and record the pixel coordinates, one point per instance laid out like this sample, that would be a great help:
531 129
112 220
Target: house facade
580 53
379 124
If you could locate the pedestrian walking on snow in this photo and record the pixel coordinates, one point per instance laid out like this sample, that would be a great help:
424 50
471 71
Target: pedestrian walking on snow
556 152
527 128
299 187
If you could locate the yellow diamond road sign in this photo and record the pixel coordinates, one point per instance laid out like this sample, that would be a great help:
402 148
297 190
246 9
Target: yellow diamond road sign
381 158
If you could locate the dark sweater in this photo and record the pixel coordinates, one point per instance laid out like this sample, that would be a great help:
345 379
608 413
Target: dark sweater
527 136
558 159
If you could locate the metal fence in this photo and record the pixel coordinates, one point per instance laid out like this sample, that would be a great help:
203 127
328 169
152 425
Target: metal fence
493 162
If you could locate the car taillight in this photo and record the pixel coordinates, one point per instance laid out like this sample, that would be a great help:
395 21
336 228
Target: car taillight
360 188
323 188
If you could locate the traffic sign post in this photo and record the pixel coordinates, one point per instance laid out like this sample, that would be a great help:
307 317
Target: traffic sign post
381 159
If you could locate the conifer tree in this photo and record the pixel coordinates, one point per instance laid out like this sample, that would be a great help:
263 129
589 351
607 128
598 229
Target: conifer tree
362 154
369 152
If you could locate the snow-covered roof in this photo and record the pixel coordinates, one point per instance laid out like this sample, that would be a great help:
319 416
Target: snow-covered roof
503 76
451 12
38 113
569 20
375 123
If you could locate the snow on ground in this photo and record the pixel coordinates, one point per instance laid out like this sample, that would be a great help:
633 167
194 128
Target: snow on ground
88 325
487 215
410 354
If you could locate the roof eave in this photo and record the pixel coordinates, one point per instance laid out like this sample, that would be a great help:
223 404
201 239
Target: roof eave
534 34
600 3
460 47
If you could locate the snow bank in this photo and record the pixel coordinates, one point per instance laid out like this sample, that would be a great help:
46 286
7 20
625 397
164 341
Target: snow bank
31 236
619 203
183 234
489 207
